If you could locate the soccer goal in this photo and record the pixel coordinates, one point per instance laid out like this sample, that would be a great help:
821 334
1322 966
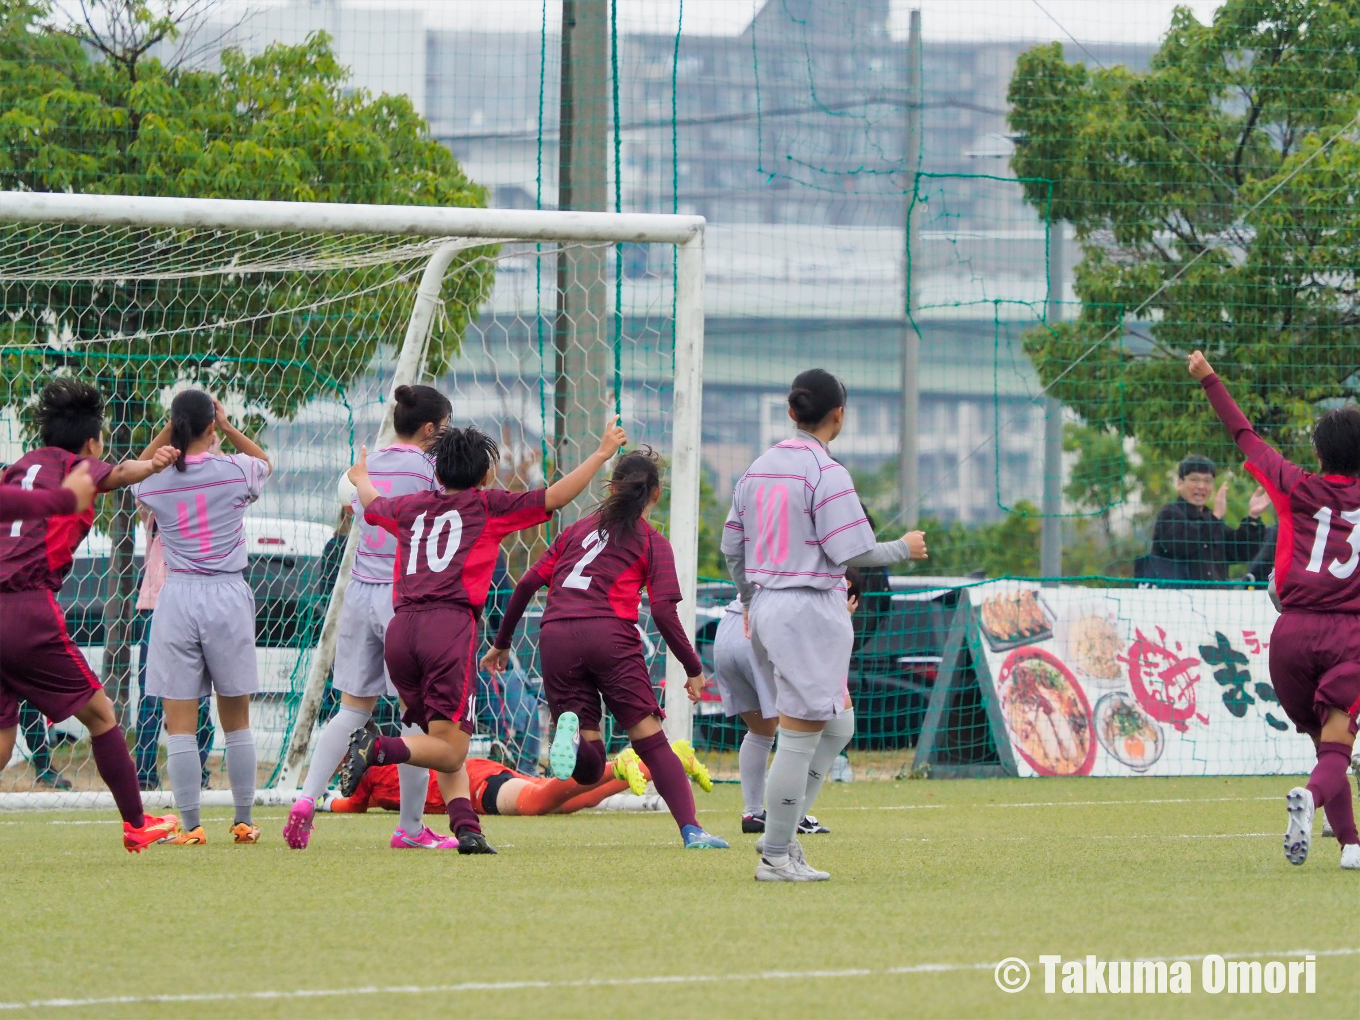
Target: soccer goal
303 318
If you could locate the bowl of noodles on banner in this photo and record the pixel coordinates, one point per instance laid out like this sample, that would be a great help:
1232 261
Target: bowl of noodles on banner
1047 712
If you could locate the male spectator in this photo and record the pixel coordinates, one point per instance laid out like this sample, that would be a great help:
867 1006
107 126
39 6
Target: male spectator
1190 540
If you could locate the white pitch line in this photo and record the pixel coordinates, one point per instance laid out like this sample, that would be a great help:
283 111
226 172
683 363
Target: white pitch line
512 986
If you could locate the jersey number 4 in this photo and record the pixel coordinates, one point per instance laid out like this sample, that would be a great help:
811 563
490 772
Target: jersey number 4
438 561
593 544
1337 568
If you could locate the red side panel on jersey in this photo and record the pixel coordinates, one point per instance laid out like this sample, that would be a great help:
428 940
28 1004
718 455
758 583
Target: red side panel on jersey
1284 515
625 594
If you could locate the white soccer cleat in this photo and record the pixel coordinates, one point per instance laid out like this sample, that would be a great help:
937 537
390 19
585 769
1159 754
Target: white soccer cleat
1299 804
795 849
790 871
1350 857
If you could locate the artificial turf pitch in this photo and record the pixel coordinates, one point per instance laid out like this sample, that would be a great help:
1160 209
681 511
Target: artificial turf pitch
602 914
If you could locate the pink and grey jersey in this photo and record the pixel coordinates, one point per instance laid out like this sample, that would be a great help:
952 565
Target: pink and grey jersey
200 511
36 554
447 543
1317 552
796 516
396 471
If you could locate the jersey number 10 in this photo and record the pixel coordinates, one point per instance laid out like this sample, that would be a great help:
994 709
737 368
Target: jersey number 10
1336 568
450 521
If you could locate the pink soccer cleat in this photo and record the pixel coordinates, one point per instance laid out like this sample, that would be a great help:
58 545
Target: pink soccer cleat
298 829
425 839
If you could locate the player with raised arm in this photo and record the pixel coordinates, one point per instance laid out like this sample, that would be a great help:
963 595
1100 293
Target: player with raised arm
203 626
446 550
38 661
589 644
1315 646
796 523
419 417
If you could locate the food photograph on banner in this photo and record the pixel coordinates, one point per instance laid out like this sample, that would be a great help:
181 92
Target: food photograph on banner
1123 681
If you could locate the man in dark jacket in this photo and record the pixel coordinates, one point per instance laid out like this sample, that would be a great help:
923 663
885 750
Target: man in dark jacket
1193 536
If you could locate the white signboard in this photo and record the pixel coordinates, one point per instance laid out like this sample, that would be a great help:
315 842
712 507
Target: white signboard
1119 682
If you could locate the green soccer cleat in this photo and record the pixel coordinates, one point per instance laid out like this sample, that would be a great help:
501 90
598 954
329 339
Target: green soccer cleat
628 768
694 768
697 839
562 757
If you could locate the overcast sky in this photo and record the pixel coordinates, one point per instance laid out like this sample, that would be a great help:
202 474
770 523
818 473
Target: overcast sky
1090 20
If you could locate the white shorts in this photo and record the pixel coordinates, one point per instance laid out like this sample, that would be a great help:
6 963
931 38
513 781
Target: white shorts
743 687
801 640
359 667
202 638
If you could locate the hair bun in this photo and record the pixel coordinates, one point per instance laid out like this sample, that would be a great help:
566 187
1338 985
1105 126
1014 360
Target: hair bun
404 395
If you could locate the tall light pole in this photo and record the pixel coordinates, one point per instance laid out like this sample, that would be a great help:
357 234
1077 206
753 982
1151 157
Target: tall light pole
909 444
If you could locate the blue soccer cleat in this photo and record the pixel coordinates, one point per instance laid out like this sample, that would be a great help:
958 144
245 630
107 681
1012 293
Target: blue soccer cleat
697 839
562 757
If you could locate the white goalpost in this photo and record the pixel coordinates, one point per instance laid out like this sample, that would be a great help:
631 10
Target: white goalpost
292 311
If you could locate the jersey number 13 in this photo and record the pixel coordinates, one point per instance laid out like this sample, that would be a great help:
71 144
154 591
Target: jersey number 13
1337 568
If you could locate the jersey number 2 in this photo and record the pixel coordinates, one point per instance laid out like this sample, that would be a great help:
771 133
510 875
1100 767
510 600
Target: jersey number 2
450 521
593 544
1336 568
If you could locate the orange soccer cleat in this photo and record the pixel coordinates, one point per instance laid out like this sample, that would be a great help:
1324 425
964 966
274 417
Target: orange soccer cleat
153 830
244 832
194 837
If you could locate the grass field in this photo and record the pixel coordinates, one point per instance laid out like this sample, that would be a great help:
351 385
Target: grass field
602 914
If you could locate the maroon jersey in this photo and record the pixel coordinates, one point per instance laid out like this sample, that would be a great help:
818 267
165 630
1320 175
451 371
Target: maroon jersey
447 544
36 554
593 574
1317 552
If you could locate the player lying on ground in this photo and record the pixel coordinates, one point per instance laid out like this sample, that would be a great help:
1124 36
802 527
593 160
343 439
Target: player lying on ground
1315 646
498 789
589 644
203 626
38 661
446 550
419 416
796 523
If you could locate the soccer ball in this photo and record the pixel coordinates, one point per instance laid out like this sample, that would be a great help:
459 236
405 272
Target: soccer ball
345 488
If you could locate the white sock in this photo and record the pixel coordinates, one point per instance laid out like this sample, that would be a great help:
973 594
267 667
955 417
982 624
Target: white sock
186 774
415 786
241 772
835 737
784 789
331 747
752 761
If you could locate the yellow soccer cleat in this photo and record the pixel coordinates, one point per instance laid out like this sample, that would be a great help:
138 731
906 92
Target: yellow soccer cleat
244 832
694 768
193 837
628 768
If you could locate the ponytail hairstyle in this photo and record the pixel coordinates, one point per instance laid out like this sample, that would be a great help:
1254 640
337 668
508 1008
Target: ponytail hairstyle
630 489
416 405
69 414
191 413
814 395
462 457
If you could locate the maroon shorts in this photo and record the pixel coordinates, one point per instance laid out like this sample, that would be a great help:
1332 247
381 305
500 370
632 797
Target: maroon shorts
1315 667
589 659
39 663
431 656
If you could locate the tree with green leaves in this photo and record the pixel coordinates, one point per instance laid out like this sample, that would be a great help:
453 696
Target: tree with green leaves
87 106
1216 195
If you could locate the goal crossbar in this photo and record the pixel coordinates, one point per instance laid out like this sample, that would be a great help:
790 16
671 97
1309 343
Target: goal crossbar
685 232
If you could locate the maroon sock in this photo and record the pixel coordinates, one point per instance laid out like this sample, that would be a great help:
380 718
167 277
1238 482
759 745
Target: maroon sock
669 776
115 767
590 762
462 816
1331 790
393 751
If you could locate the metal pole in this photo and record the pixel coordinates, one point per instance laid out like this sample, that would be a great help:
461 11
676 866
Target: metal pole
686 457
581 395
909 452
407 371
1050 548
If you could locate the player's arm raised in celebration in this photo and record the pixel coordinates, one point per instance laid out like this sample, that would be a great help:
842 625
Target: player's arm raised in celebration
1266 464
358 476
568 487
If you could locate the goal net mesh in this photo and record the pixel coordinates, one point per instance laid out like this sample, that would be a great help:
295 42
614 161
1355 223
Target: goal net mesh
298 335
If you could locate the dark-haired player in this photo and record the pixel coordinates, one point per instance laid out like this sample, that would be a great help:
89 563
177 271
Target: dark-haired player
419 415
589 643
796 523
38 661
1315 646
446 550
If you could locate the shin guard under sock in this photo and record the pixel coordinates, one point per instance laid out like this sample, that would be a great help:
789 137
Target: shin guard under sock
240 752
836 735
590 762
415 787
114 763
1331 790
752 761
181 762
331 748
669 776
462 816
785 787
